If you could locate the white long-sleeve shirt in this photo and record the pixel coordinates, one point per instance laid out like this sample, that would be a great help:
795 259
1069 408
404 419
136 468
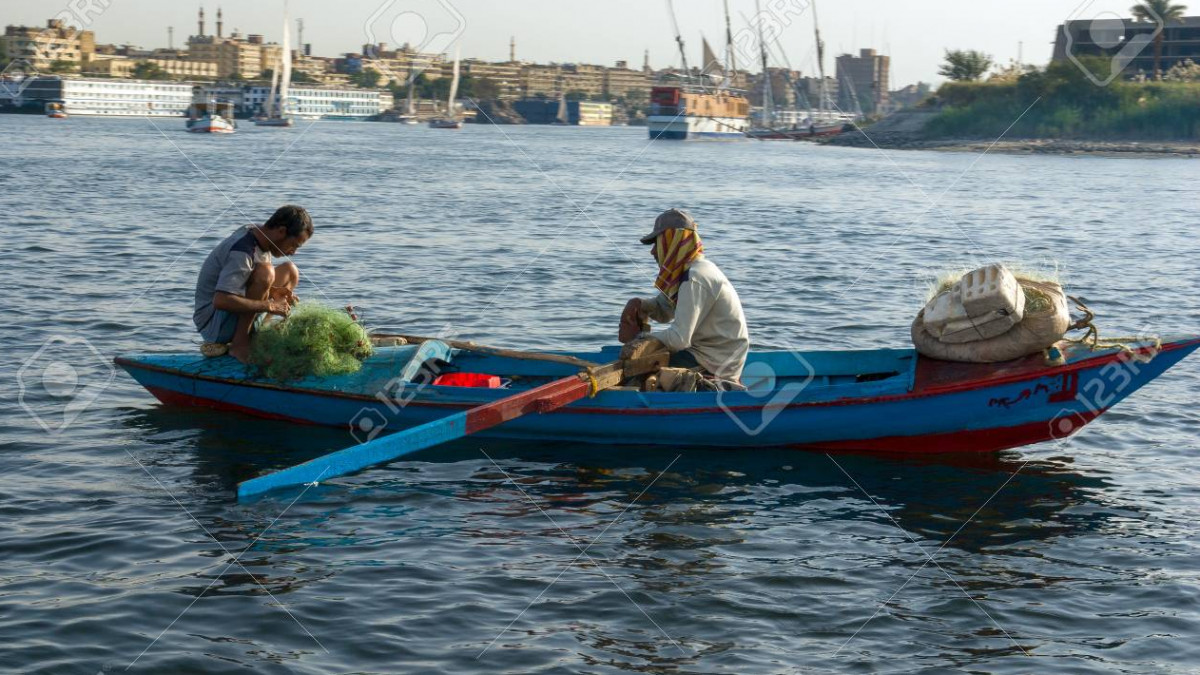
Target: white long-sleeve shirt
707 320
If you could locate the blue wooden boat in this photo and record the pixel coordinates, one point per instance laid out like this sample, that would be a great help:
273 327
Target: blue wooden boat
885 400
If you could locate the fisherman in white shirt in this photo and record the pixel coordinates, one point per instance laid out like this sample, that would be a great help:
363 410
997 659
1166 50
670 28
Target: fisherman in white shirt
707 327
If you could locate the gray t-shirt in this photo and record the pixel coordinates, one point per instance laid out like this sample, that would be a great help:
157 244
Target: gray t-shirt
226 269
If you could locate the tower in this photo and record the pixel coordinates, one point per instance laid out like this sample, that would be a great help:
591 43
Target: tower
512 49
646 62
170 37
201 31
219 22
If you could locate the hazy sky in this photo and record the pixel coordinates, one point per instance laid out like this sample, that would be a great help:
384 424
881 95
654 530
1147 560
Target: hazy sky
913 32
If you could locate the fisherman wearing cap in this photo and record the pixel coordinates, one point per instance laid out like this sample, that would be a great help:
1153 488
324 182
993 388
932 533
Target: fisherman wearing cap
707 327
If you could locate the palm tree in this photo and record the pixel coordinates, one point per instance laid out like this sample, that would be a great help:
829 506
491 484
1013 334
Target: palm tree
1154 11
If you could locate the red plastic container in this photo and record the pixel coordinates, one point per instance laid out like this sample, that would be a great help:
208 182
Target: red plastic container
468 380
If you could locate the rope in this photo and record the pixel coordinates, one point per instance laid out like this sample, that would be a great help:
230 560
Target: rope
593 384
1092 340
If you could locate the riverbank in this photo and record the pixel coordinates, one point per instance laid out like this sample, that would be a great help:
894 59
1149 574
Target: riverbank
1056 110
907 130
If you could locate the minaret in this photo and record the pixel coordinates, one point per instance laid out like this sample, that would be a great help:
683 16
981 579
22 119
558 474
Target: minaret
201 31
646 62
512 49
170 37
219 22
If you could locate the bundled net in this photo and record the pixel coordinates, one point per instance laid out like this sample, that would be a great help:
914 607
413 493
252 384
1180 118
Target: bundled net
312 340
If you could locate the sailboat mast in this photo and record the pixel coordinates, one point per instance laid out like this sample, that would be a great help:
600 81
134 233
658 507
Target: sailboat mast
768 94
730 62
824 93
269 107
410 108
679 40
453 86
285 76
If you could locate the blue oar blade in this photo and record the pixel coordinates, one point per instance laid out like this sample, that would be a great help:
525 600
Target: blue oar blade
359 457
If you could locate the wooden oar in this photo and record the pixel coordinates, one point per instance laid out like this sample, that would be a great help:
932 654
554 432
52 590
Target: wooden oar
387 448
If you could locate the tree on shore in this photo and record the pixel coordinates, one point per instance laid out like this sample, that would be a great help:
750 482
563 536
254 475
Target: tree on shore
1153 11
965 65
367 79
145 70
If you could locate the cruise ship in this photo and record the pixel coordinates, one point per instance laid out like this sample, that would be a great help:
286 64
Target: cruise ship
687 112
142 98
324 102
112 98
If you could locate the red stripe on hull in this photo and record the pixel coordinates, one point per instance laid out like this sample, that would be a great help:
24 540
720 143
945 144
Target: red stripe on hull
169 397
980 440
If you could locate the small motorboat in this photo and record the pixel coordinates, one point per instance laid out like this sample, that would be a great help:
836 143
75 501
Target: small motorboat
56 110
880 400
211 117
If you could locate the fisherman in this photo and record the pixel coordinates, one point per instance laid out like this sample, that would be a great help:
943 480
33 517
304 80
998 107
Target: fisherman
238 284
707 328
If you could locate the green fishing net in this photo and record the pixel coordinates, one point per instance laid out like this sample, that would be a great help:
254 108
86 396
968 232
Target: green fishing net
312 340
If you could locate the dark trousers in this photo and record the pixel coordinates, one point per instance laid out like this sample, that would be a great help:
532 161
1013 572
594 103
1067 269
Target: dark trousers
684 359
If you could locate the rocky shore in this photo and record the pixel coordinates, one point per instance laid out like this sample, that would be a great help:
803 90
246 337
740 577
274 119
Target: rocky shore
904 131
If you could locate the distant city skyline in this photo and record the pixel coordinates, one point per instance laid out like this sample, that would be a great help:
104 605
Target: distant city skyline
914 33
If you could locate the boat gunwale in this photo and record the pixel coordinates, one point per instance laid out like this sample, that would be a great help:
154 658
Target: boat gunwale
1086 363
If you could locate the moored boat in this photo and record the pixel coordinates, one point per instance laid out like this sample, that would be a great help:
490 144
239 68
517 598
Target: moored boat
887 400
683 112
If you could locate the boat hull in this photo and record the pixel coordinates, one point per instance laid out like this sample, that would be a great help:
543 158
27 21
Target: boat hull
210 125
691 128
921 406
274 122
797 134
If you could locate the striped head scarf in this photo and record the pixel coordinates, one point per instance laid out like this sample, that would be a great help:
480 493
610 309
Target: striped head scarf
674 250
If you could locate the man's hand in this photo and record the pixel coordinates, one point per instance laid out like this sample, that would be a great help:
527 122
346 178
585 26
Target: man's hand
641 347
633 321
278 306
285 294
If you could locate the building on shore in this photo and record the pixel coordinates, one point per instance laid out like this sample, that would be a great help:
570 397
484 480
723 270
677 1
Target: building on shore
627 84
579 113
121 66
505 76
869 74
1110 37
45 49
244 56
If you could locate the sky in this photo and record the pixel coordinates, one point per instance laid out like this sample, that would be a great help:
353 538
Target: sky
915 33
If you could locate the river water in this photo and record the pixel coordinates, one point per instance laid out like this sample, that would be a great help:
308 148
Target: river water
124 551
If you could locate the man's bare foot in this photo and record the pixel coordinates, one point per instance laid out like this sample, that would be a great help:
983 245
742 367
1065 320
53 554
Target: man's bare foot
241 352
